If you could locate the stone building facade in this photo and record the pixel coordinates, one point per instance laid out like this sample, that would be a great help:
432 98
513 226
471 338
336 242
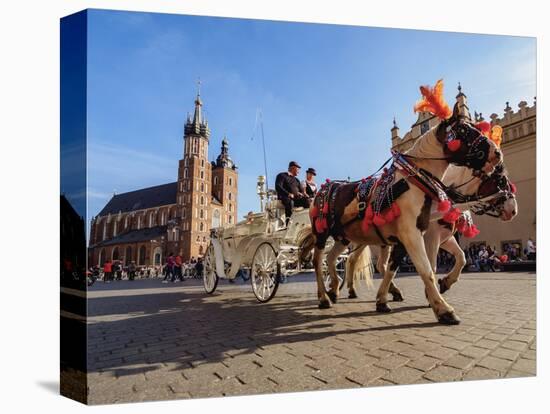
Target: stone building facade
148 224
519 148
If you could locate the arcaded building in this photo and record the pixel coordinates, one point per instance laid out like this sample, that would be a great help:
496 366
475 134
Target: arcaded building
147 224
519 148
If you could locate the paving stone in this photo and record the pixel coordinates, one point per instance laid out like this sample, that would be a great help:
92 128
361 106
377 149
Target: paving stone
505 354
479 373
497 364
515 345
474 352
391 362
366 375
460 362
425 363
525 365
443 373
404 375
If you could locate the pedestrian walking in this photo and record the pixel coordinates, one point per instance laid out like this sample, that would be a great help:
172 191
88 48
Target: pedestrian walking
107 271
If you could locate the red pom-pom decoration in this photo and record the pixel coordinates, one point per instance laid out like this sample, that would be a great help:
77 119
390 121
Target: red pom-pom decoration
484 127
396 210
325 208
452 215
389 216
513 188
454 145
444 206
327 180
461 226
369 214
365 225
378 220
313 211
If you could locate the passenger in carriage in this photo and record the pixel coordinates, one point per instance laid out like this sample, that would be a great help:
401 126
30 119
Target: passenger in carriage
289 190
309 186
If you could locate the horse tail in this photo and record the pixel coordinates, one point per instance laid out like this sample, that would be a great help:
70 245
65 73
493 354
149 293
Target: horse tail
359 266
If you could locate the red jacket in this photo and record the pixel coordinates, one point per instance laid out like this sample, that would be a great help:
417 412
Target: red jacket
178 260
107 267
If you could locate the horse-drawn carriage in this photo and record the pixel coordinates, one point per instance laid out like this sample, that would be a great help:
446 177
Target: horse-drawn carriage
265 247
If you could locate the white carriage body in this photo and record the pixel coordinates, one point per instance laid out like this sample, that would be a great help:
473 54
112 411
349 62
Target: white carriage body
234 246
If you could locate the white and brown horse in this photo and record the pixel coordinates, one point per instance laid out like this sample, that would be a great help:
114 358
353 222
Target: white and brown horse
432 156
493 195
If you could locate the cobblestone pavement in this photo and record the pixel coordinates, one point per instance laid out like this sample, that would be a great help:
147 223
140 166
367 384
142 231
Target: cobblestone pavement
153 341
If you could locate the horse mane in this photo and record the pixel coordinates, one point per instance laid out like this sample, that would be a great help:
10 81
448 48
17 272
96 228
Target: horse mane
427 145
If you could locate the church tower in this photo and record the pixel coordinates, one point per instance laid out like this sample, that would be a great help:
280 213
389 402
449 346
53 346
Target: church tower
194 186
224 184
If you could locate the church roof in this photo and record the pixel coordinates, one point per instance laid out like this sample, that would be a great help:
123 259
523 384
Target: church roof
159 195
134 236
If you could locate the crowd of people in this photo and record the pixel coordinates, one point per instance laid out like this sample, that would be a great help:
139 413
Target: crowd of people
176 270
173 270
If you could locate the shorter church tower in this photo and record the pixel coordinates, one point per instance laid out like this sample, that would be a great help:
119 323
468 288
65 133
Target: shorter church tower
224 185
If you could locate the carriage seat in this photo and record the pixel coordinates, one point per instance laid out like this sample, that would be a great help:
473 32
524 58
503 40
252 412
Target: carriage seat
280 206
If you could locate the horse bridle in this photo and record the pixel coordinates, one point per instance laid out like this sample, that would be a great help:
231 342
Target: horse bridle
494 205
476 156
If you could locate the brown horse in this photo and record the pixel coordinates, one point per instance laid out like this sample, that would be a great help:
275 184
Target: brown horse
432 155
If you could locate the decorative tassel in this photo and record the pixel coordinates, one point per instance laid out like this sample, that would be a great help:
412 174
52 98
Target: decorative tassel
433 101
484 127
313 211
454 145
318 226
365 225
461 226
444 206
389 216
369 214
378 220
325 208
452 215
396 210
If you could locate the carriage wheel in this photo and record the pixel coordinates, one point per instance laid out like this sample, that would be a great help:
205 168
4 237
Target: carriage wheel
265 272
210 277
340 272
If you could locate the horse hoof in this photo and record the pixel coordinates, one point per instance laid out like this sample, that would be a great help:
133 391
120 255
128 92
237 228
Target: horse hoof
332 296
448 318
442 286
352 294
397 297
324 304
382 308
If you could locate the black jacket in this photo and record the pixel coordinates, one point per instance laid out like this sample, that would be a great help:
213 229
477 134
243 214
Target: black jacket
286 184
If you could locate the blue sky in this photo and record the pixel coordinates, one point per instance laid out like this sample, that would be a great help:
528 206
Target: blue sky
328 93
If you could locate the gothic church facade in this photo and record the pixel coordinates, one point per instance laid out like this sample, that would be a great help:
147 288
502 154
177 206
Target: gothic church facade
146 225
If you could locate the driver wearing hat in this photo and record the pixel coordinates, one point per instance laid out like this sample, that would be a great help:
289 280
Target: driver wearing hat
289 190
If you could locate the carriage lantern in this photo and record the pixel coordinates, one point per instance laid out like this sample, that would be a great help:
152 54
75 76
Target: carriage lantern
260 189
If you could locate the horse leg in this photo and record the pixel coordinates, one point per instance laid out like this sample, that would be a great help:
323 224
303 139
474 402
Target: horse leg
382 265
452 247
332 256
414 244
396 257
350 270
324 301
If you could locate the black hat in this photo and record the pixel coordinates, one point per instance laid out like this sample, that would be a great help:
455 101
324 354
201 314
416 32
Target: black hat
311 170
293 164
